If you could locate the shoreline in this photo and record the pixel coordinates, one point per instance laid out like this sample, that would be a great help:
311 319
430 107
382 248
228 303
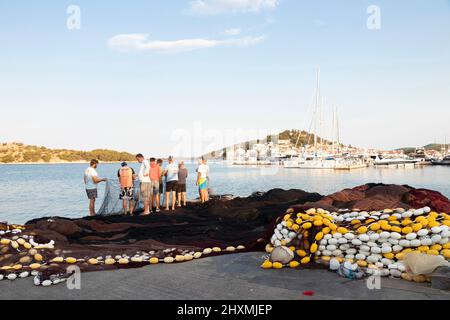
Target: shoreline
56 163
79 162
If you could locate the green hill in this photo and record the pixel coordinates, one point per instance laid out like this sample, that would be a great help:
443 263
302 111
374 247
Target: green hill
21 153
431 146
297 138
300 138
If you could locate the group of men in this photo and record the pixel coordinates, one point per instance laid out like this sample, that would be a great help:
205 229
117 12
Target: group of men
152 180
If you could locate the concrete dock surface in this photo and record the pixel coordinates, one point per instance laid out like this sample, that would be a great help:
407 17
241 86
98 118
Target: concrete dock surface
228 277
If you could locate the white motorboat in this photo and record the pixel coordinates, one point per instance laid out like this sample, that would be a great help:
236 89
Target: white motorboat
394 162
351 164
311 163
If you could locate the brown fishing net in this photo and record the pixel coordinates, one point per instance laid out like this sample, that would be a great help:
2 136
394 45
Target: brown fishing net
380 196
220 226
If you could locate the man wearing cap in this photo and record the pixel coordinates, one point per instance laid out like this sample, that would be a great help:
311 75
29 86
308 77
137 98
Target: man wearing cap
126 176
171 173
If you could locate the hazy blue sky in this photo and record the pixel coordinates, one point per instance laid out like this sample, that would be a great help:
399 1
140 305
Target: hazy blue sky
138 72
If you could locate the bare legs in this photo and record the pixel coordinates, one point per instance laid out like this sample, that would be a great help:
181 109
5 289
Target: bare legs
178 199
152 197
131 207
167 200
174 198
125 207
158 201
146 207
181 199
162 199
92 207
204 195
155 201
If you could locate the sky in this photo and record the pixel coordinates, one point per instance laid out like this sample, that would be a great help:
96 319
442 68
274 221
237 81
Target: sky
184 77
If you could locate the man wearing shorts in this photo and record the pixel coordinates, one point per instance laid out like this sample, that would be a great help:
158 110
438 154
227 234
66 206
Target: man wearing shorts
202 180
181 189
91 180
171 173
155 174
144 179
126 178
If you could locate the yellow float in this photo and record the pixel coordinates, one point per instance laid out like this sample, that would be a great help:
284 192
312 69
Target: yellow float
375 240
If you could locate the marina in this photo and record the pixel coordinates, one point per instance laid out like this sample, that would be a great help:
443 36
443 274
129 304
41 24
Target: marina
235 150
312 151
65 194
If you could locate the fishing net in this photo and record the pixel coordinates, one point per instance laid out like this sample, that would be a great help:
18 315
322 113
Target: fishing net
116 241
113 205
217 227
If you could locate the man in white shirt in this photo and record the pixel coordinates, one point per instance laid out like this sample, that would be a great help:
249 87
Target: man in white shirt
171 173
144 178
202 180
91 180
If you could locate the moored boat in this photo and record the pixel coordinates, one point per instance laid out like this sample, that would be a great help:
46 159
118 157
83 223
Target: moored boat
395 162
444 162
352 163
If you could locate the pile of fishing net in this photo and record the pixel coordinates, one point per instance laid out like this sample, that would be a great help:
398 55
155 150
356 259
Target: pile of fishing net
380 196
46 247
406 242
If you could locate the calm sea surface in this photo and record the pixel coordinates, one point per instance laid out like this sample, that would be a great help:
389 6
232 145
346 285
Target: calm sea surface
33 191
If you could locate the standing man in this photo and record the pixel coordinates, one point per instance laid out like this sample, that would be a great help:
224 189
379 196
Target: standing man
155 174
202 180
171 173
144 178
91 180
126 178
181 190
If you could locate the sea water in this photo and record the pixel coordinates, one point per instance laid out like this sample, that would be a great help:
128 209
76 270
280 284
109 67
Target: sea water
33 191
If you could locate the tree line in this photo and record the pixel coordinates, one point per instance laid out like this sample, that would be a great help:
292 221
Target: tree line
20 153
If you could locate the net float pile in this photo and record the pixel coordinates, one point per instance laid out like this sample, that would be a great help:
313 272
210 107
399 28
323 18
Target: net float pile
23 256
371 241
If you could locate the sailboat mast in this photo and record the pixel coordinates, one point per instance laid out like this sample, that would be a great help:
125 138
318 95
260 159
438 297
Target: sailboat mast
338 132
321 129
315 111
333 131
446 146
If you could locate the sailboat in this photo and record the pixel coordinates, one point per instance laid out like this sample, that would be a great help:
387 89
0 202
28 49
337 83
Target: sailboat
445 161
315 160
